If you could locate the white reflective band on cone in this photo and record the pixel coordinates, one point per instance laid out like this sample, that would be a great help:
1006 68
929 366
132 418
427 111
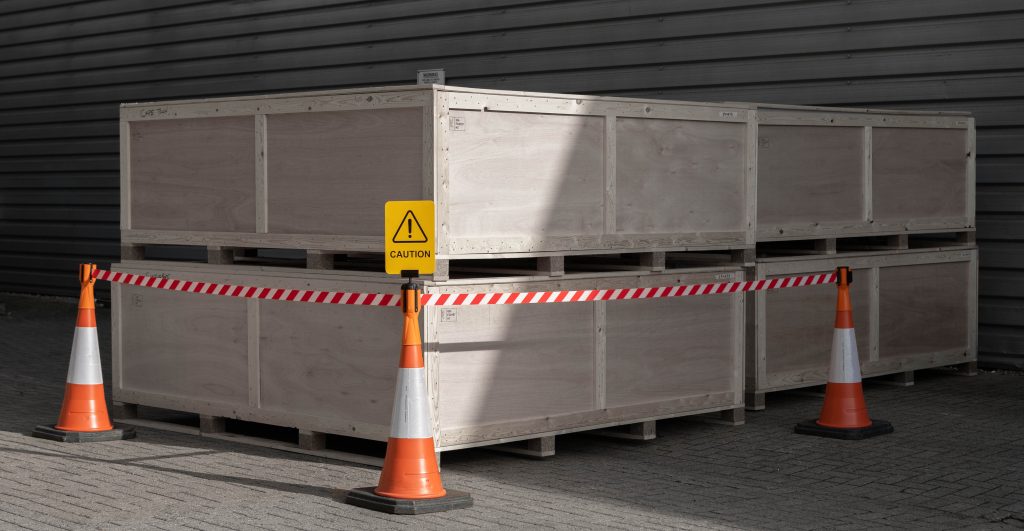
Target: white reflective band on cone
845 361
85 357
410 418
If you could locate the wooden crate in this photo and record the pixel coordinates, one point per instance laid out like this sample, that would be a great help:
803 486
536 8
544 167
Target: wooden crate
849 172
496 373
512 173
912 309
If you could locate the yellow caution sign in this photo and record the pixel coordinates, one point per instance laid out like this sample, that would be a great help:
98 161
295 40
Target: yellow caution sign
409 237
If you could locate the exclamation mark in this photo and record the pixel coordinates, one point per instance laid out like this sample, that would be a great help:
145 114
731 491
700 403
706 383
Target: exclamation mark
410 228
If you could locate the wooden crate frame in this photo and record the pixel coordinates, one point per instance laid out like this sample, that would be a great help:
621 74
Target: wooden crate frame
760 379
867 124
607 402
441 109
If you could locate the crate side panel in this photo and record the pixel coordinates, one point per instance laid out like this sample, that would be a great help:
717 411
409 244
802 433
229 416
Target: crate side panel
919 174
184 345
809 174
332 172
507 363
666 349
521 175
923 309
335 362
679 176
799 325
193 174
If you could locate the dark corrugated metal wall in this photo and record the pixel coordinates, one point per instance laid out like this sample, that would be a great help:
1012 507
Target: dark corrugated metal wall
65 65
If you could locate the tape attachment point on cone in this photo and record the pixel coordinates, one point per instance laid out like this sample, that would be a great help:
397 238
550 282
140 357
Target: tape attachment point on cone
410 481
844 415
83 413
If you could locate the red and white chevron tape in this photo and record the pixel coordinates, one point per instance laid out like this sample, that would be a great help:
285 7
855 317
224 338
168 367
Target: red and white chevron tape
461 299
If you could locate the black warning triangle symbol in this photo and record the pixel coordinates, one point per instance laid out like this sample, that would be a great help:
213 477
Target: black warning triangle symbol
409 230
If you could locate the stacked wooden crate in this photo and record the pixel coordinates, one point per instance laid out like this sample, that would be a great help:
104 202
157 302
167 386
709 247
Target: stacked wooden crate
888 193
533 192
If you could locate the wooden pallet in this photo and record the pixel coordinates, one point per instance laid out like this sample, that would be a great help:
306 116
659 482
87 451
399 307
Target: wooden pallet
529 265
353 450
279 438
838 245
755 401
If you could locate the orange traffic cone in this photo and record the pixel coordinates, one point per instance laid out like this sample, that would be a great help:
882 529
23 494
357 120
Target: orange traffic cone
83 416
410 482
844 414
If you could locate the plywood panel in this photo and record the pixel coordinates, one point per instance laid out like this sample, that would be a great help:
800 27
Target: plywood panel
193 174
919 173
679 176
525 175
184 345
501 364
664 349
335 362
923 309
799 324
332 172
809 174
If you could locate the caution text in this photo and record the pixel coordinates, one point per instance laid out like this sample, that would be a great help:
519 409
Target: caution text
409 254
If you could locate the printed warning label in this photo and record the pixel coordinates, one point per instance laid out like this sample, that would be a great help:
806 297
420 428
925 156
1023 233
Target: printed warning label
409 230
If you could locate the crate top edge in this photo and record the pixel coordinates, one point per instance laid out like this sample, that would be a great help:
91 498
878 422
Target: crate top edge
276 95
847 110
748 106
432 88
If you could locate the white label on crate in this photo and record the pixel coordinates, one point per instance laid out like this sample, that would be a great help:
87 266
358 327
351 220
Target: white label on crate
430 77
729 114
449 315
723 276
458 123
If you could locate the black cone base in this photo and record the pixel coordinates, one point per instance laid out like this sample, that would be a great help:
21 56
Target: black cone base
364 497
118 433
877 427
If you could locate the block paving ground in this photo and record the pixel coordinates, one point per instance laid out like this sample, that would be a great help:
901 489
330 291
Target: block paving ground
956 461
